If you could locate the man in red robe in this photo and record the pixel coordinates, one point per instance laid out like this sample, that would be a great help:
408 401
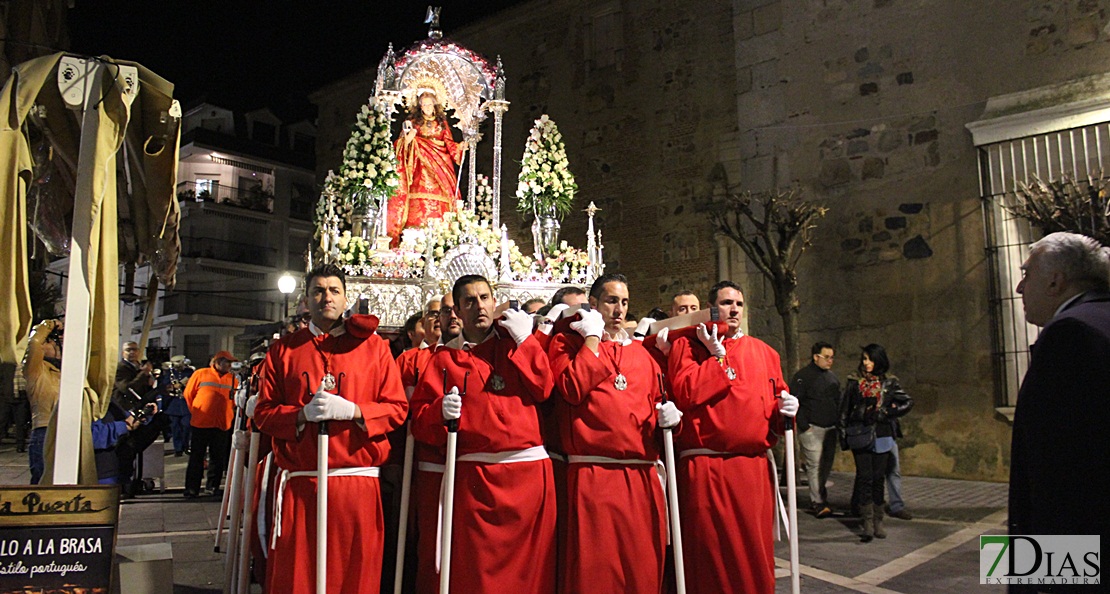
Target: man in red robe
327 372
732 396
608 395
504 516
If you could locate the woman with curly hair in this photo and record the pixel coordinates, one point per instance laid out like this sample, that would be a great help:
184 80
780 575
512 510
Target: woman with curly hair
872 400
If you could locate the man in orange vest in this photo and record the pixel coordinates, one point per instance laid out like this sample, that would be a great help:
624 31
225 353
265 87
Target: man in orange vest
209 396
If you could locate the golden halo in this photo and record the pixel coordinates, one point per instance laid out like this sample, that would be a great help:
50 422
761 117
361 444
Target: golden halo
427 84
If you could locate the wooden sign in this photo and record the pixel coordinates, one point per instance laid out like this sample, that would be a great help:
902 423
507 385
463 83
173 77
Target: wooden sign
57 539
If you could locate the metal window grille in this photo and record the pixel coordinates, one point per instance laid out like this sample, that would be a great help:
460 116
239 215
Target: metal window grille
1080 154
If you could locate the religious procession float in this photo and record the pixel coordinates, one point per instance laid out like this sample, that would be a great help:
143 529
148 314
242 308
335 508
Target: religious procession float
397 216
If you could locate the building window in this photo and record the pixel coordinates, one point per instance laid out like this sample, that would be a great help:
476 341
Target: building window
198 349
605 36
302 203
207 189
304 143
1074 153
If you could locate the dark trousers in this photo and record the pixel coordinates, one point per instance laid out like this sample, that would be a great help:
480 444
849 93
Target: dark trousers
870 475
15 412
181 432
35 454
132 445
213 443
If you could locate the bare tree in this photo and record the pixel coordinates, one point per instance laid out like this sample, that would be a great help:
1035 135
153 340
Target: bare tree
773 228
1066 205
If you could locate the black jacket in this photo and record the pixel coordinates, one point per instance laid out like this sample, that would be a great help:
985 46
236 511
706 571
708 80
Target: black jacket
1059 470
856 410
818 393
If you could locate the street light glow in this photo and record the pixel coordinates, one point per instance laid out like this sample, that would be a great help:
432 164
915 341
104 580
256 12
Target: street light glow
287 284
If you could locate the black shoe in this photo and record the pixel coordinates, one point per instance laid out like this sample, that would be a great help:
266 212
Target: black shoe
902 514
191 494
178 454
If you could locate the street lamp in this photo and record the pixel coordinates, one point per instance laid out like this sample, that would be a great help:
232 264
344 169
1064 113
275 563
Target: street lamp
286 284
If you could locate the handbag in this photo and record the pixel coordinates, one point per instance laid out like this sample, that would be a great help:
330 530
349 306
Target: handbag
859 437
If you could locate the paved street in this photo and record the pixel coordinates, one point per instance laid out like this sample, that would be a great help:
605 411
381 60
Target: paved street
935 552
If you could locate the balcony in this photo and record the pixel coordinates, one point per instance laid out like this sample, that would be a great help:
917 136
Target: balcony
216 305
256 200
229 251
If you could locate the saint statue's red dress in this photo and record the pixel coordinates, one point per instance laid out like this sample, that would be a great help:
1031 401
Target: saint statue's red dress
368 377
726 494
616 523
429 185
504 515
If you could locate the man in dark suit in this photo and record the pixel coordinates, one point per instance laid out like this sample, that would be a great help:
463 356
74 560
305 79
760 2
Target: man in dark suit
1059 471
133 379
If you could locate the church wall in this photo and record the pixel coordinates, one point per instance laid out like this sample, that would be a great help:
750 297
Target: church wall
860 103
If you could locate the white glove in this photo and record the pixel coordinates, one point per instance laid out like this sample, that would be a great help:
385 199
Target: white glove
642 328
252 403
662 343
709 339
789 406
241 395
667 415
452 404
591 324
239 440
556 312
326 406
517 323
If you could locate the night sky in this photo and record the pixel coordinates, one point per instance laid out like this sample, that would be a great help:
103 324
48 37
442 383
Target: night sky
245 54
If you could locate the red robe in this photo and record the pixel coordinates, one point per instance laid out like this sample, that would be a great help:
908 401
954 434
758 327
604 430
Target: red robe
727 502
425 483
616 525
504 516
369 378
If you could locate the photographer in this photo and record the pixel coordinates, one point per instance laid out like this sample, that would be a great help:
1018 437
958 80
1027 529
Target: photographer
134 378
42 369
118 438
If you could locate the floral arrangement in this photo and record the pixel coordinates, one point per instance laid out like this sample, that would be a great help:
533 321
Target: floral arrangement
567 264
545 184
332 194
408 261
369 164
483 198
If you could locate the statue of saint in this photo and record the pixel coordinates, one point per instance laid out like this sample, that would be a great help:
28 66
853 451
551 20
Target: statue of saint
427 156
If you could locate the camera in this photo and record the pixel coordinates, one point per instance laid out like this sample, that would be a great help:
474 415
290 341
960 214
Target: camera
55 335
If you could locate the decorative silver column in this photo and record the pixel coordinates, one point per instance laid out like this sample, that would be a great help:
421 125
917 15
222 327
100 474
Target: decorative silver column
497 106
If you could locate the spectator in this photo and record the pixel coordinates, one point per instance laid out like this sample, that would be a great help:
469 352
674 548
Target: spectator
532 305
818 392
14 409
873 399
134 378
1058 478
209 395
42 369
177 409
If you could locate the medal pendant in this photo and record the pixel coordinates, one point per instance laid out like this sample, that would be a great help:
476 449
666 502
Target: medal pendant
329 382
731 373
620 382
497 383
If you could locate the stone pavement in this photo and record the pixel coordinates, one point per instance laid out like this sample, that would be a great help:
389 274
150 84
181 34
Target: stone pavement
937 551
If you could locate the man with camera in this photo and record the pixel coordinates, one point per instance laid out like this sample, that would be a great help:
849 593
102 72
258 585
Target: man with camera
42 367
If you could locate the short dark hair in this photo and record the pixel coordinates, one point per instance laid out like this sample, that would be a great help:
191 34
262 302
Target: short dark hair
411 322
725 284
683 294
531 301
557 298
599 284
325 271
877 354
820 346
657 314
464 280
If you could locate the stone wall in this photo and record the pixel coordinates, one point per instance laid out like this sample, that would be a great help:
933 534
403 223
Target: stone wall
862 103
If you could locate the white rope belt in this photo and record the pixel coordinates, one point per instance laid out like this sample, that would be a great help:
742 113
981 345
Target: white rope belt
557 456
704 452
430 467
371 471
577 459
531 454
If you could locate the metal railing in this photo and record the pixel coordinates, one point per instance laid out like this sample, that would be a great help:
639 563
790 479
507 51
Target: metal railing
256 200
217 305
230 251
